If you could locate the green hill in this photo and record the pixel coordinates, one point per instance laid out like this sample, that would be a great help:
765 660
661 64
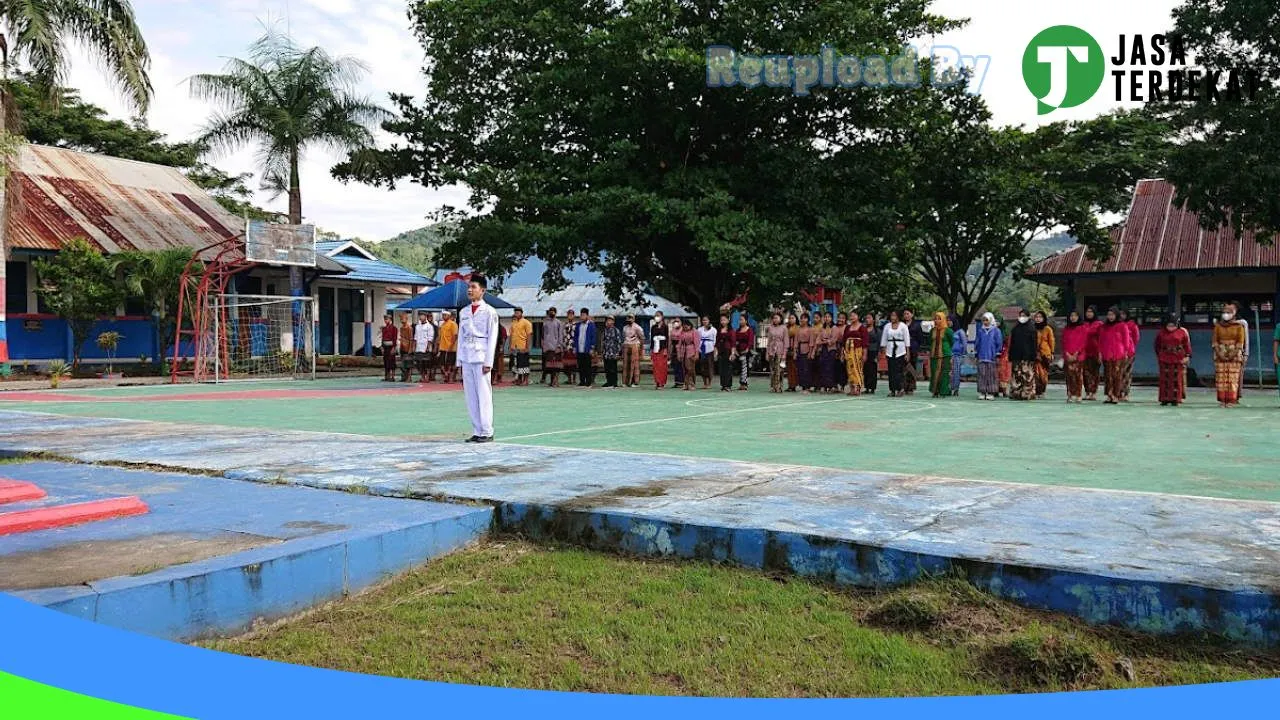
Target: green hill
413 249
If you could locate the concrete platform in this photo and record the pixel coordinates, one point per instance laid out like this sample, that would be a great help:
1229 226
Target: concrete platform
215 555
1162 563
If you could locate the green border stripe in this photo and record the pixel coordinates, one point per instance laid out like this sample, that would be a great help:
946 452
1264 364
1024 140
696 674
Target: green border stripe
22 699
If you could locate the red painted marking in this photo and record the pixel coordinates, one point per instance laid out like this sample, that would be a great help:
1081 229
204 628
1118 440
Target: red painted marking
71 514
65 396
12 491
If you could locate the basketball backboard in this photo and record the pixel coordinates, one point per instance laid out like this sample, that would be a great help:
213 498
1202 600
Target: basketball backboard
277 244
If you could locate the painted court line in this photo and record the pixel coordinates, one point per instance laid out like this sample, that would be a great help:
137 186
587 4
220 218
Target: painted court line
72 514
12 491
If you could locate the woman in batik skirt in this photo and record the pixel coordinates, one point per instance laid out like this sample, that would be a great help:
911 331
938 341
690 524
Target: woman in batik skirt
1023 357
941 338
1004 368
803 352
677 364
1044 352
989 347
1173 352
854 349
1075 341
1228 358
959 350
687 352
1092 365
1134 337
1113 345
793 375
871 366
825 353
842 372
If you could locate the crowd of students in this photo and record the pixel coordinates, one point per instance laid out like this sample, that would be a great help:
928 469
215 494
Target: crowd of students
838 353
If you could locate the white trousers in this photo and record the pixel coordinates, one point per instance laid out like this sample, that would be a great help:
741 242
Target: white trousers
479 393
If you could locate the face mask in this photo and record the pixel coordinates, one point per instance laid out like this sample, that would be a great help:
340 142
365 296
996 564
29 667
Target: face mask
1023 320
1226 316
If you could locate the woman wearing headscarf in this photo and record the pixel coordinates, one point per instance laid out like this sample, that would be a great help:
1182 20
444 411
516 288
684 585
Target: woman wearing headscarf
826 354
1004 368
941 338
1075 341
895 343
1113 345
793 375
687 351
660 337
1092 365
1133 337
1228 357
803 352
959 349
842 370
1044 352
1024 356
871 366
989 347
1173 352
854 350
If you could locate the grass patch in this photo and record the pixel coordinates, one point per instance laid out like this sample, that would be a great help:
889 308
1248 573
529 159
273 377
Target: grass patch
512 614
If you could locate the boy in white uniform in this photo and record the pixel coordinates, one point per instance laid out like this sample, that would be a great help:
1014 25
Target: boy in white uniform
477 343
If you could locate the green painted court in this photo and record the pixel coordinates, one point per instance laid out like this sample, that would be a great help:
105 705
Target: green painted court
1197 449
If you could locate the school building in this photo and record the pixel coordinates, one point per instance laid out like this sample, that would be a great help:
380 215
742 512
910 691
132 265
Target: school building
53 195
1164 261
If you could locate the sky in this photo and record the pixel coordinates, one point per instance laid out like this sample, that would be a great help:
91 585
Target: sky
187 37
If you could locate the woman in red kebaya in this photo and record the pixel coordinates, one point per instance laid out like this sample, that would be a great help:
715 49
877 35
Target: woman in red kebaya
1092 356
1173 352
1075 341
1113 344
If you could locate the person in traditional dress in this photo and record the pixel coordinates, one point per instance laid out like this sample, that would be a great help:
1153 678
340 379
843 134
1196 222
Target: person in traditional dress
989 349
448 348
777 339
424 341
390 338
1045 347
677 363
687 352
1173 352
895 343
941 338
959 350
721 353
632 351
611 351
708 341
744 346
913 370
521 345
552 347
854 349
1113 346
499 354
1133 337
842 370
871 366
1024 356
825 353
1229 339
585 344
1004 368
1075 342
659 336
1092 365
569 360
793 374
802 351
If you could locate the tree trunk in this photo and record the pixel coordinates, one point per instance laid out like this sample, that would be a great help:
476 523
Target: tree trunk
295 218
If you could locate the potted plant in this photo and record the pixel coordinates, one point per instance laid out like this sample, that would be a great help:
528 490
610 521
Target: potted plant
108 342
58 369
6 372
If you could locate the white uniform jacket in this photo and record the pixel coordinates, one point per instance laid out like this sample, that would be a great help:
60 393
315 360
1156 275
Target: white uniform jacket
477 335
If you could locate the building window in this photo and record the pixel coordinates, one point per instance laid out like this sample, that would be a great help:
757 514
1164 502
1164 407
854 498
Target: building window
1204 309
1143 309
15 289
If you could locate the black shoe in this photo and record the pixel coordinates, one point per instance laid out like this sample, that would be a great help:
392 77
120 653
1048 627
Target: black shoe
483 439
473 438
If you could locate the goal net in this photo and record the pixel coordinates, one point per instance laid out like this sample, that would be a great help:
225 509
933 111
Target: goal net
257 337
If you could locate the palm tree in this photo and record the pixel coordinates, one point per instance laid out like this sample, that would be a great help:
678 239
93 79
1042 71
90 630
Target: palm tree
36 34
283 99
155 277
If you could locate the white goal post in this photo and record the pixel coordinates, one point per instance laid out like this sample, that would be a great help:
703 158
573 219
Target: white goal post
261 337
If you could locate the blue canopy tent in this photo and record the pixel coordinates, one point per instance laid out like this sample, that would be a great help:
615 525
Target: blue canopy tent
450 296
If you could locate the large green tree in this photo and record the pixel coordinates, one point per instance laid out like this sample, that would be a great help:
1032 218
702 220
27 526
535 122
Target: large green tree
79 285
587 134
284 99
155 278
1227 161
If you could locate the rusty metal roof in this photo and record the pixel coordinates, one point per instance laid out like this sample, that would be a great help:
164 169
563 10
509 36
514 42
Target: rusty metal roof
55 195
1160 236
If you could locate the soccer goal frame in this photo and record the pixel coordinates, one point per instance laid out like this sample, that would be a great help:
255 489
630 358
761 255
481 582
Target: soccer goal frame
257 337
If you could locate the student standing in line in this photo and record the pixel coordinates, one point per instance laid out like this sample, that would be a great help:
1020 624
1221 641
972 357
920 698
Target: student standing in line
521 344
1092 364
793 373
744 346
895 343
959 350
1045 347
853 348
611 351
585 345
803 351
842 372
676 362
708 341
1075 341
688 352
660 338
1229 339
722 352
552 347
632 351
990 346
1024 356
1113 344
941 339
1133 337
570 357
390 336
1004 368
448 348
777 339
871 366
501 354
406 347
424 339
825 353
912 372
1173 352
